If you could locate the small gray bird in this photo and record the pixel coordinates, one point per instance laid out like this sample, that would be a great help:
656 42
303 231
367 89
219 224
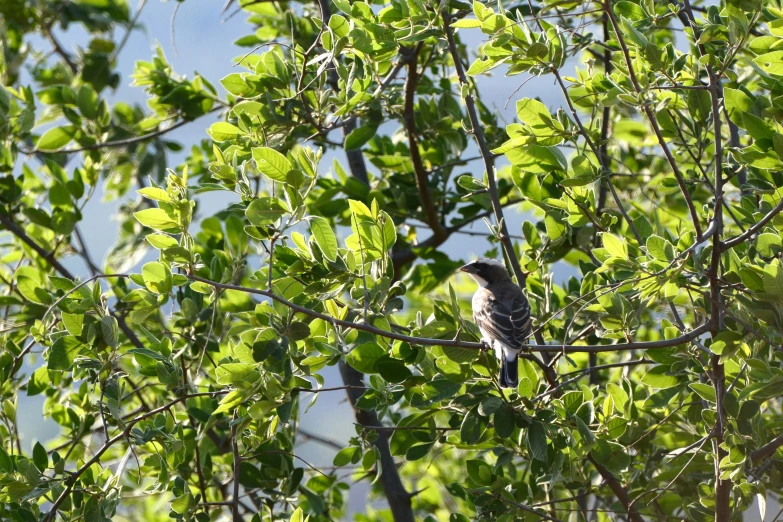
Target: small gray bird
502 313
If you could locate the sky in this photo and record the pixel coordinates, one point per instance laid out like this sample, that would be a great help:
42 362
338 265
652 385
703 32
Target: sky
203 42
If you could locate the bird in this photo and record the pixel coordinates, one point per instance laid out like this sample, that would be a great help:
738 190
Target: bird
502 313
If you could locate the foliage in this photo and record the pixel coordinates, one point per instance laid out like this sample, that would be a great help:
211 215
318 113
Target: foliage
653 389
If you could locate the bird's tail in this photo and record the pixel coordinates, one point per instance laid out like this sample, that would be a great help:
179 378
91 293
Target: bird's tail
509 370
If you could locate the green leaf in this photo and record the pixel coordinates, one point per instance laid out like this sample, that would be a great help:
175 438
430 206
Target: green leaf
460 355
155 218
40 457
365 357
346 455
705 391
737 103
6 465
656 378
555 227
63 352
339 25
618 394
265 211
504 422
769 244
480 66
235 84
87 101
470 183
630 10
298 516
92 510
659 248
271 163
490 405
536 442
223 131
157 277
73 323
616 427
419 451
39 381
182 503
771 63
56 138
467 23
161 241
480 472
471 428
360 136
31 289
393 370
748 410
726 343
241 375
155 194
636 36
324 237
230 401
534 114
494 23
617 247
110 330
440 389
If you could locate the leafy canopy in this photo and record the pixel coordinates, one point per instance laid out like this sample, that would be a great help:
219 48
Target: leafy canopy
652 386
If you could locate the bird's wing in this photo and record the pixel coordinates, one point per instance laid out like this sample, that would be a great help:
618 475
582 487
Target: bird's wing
505 318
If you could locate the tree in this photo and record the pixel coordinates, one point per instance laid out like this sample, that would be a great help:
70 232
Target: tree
651 389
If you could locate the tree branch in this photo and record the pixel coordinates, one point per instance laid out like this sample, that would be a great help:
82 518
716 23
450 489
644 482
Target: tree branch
237 461
306 435
47 30
618 489
424 341
768 449
118 143
398 497
489 162
19 232
722 486
422 180
654 121
730 243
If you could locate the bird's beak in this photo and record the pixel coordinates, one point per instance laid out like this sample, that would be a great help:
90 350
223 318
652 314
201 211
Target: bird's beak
469 268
